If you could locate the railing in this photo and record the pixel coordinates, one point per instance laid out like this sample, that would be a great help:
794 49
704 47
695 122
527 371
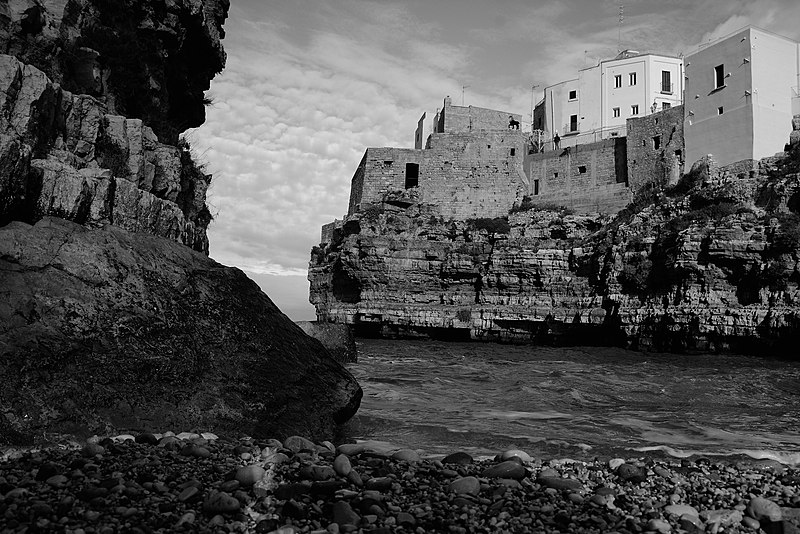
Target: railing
666 88
543 141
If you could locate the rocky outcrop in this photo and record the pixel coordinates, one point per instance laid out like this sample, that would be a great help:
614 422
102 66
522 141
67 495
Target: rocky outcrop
149 60
710 264
105 329
75 155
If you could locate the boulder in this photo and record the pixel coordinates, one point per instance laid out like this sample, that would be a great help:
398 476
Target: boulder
103 328
337 338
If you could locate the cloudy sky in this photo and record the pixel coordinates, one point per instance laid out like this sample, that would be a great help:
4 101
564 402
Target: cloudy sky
309 84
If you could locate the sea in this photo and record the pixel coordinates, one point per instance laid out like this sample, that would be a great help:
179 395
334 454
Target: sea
579 403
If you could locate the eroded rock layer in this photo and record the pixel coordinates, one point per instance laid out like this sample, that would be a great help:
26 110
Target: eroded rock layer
710 264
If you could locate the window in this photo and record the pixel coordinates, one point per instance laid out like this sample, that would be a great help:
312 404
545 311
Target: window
536 187
657 142
719 76
573 123
635 109
412 175
616 112
513 152
618 80
387 162
632 78
720 111
665 105
666 82
582 169
573 95
555 175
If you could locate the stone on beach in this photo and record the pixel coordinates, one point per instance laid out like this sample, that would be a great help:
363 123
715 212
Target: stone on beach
507 469
218 502
342 465
514 453
466 485
407 455
761 509
458 458
249 474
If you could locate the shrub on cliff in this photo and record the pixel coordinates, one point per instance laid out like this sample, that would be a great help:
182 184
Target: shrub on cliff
635 276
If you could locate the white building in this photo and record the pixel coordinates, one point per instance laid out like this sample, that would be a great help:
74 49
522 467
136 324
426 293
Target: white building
597 103
741 94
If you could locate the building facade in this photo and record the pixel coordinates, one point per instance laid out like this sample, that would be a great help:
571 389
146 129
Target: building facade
741 95
597 104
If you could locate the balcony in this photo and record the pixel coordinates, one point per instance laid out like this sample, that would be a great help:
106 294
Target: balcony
666 88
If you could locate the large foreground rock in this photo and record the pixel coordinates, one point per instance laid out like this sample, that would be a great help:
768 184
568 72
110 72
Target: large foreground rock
105 329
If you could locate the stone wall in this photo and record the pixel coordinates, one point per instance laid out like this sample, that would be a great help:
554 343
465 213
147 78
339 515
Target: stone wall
656 149
587 178
467 174
454 119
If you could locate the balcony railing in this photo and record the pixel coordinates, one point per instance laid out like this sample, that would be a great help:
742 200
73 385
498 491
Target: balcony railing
666 88
543 141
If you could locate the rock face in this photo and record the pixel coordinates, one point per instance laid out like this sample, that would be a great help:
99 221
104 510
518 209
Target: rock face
149 60
710 264
107 328
93 95
337 338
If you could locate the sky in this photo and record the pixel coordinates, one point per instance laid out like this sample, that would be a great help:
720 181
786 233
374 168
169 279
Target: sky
310 84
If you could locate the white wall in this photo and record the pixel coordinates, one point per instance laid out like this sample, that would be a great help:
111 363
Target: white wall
774 67
729 137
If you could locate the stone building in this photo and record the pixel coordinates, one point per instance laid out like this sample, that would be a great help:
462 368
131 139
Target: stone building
741 95
471 166
597 104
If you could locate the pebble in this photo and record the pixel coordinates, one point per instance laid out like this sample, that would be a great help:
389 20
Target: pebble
724 518
350 449
317 472
614 463
465 486
515 453
379 484
458 458
342 466
681 509
343 514
659 525
560 484
249 474
407 455
299 443
631 473
507 469
220 503
751 523
761 508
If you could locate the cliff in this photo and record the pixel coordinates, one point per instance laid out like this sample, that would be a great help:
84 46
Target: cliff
93 95
710 264
112 317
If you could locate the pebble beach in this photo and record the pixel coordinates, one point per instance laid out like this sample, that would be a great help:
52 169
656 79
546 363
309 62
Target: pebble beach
193 482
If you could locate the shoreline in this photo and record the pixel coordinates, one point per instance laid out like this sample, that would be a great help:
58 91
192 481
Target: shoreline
204 483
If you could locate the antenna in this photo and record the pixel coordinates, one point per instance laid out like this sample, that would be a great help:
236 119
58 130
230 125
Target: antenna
619 27
463 88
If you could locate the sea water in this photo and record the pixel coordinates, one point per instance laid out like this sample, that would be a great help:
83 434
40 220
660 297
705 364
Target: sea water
576 402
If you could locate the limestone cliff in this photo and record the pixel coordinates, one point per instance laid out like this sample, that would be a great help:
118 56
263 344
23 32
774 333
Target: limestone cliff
93 95
710 264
